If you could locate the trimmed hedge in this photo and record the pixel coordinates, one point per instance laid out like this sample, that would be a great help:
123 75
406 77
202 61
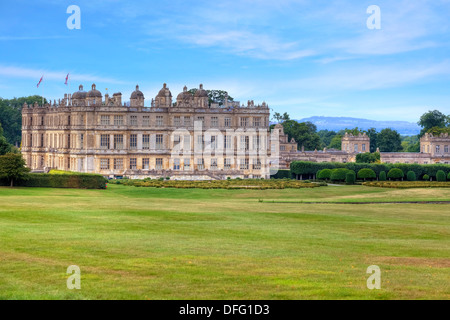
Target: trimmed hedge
440 176
282 174
366 173
306 167
76 181
339 174
411 176
426 177
395 174
324 174
407 184
382 176
350 177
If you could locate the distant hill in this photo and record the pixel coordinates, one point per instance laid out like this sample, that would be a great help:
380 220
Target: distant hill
340 123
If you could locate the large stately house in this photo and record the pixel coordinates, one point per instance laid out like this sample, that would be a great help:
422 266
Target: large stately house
191 138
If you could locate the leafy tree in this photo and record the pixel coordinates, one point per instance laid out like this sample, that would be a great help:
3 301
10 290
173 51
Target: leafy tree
281 117
12 167
355 131
324 174
436 131
368 157
389 141
350 177
366 174
325 137
426 177
432 119
382 176
336 142
339 174
214 96
304 133
373 135
5 147
395 174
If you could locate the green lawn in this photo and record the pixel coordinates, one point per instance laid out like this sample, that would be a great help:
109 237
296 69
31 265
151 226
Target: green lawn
146 243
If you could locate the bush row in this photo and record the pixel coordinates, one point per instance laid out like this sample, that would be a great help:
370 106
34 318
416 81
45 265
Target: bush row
305 168
407 184
44 180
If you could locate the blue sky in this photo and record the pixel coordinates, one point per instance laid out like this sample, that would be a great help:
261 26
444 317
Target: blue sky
302 57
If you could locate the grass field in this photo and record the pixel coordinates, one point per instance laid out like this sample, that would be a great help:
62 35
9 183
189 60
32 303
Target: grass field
147 243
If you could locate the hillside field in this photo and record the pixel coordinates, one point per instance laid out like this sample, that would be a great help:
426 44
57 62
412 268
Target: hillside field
148 243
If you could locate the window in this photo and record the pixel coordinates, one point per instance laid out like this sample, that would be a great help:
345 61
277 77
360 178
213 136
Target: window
104 141
187 143
146 163
213 164
177 121
176 140
82 141
364 147
282 148
200 164
118 164
133 163
68 120
159 121
81 119
446 149
200 142
104 120
159 163
244 122
146 141
214 122
243 165
187 164
227 142
43 122
356 148
146 121
438 149
245 143
227 122
42 140
118 120
256 142
118 141
133 120
227 164
202 119
256 164
104 164
133 141
213 142
176 164
256 122
68 140
187 121
159 141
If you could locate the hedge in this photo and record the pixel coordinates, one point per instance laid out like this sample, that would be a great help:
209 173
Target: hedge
395 173
411 176
306 167
366 173
440 176
382 176
324 174
282 174
339 174
45 180
350 177
407 184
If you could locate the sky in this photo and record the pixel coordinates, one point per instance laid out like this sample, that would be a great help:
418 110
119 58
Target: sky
306 58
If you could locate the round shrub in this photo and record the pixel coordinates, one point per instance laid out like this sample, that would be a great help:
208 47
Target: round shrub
411 176
448 177
366 174
324 174
426 177
350 177
440 175
338 174
395 174
382 176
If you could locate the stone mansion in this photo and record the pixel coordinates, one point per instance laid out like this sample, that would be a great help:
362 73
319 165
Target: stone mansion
190 139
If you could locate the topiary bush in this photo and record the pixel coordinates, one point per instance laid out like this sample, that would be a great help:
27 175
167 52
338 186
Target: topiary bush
382 176
338 174
426 177
324 174
366 174
395 174
350 177
440 176
411 176
448 176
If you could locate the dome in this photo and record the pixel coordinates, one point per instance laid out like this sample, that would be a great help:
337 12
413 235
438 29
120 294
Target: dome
79 94
201 93
137 94
94 93
163 91
185 95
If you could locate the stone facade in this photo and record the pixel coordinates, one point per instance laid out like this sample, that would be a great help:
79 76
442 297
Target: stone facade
191 139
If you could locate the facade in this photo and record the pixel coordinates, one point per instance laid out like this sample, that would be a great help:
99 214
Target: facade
189 139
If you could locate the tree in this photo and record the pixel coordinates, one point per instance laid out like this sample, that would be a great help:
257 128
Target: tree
432 119
382 176
366 174
281 117
389 141
214 96
411 176
339 174
395 174
324 174
373 135
440 175
5 147
304 133
336 142
350 177
325 137
12 167
368 157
